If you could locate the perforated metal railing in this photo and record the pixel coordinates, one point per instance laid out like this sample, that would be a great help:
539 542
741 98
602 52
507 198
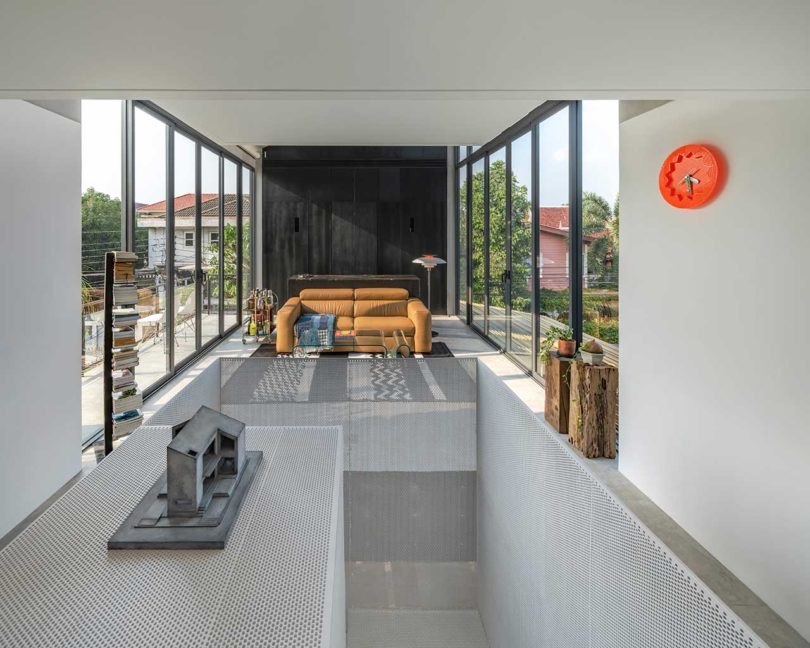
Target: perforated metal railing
562 562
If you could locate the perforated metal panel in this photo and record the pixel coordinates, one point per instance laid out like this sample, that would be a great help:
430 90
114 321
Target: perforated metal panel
273 585
410 447
415 629
562 563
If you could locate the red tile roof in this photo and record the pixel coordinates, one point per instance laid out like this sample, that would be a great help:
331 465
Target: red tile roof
184 206
554 217
180 202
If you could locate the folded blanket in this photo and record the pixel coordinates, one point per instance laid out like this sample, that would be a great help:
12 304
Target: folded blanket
315 330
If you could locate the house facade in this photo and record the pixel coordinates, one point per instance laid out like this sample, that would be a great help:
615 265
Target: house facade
153 218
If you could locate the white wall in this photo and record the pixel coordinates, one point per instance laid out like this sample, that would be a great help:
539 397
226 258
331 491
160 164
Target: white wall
40 349
715 307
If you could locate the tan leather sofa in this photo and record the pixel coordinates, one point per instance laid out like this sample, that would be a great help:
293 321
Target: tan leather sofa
385 309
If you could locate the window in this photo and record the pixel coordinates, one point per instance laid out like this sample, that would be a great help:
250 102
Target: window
463 265
476 209
600 224
247 228
151 232
185 255
520 258
230 273
210 194
213 238
101 233
497 242
553 173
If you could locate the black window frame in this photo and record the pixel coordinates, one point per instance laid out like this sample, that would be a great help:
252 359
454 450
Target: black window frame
128 224
529 123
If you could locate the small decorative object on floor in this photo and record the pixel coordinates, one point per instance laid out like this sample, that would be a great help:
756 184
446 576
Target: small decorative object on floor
594 410
194 504
592 352
122 400
557 391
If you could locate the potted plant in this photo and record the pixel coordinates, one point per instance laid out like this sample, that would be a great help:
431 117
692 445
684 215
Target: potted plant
566 346
564 340
592 352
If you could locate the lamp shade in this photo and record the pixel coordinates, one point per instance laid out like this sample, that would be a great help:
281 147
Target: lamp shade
429 260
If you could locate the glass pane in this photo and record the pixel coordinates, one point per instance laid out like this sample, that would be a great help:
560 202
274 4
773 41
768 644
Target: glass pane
185 249
247 248
463 266
553 195
497 248
101 232
209 186
520 343
231 277
150 246
477 252
600 225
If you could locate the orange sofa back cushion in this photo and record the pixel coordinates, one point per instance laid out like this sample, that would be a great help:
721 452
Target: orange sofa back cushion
377 294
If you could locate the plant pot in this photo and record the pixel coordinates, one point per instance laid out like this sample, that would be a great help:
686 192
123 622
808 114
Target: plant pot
592 358
566 348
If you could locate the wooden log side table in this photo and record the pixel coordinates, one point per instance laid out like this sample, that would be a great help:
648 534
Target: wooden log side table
594 410
557 391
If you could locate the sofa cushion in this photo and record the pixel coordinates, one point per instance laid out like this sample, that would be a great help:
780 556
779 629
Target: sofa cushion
381 308
345 323
385 324
387 294
327 294
339 307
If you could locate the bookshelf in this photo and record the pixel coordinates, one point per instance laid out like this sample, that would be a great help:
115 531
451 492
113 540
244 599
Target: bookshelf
122 398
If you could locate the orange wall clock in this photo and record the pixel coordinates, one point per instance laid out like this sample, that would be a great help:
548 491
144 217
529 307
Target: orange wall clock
690 176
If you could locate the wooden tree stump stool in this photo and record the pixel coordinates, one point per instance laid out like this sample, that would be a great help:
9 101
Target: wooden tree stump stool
557 391
594 409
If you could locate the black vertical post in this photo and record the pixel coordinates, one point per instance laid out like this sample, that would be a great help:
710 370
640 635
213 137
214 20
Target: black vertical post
507 276
486 245
221 260
468 241
198 274
535 224
239 251
168 284
128 176
109 265
575 219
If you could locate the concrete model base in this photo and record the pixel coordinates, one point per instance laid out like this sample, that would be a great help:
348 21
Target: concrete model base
148 526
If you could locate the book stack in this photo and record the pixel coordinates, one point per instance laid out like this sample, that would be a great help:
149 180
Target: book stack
126 399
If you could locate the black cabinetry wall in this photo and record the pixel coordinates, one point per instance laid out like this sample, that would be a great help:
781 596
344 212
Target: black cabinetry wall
354 210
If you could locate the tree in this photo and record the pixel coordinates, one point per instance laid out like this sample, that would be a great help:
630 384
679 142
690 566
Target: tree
101 229
229 258
521 237
598 218
101 232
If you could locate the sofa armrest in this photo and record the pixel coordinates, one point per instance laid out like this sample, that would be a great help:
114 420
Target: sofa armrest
285 325
419 314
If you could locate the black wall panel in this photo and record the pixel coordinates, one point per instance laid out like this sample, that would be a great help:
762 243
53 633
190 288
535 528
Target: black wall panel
360 210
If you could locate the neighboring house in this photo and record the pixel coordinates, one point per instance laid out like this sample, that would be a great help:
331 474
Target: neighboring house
153 217
554 258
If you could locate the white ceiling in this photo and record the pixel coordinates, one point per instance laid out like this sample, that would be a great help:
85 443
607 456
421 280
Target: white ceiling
302 122
372 71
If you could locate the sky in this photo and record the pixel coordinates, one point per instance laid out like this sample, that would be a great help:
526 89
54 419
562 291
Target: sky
101 155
